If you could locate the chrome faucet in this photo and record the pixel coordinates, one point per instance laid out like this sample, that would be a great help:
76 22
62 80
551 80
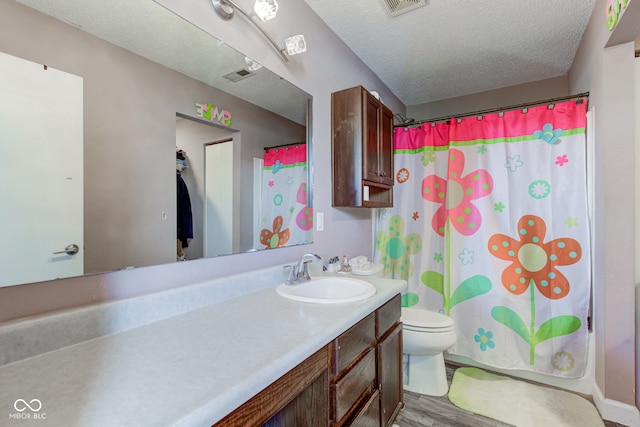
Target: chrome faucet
299 272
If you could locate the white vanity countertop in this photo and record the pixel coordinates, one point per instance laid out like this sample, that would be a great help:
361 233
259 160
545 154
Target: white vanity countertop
188 370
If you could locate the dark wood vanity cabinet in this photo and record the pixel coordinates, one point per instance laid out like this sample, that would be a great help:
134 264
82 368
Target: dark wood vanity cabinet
352 367
366 370
298 398
362 149
355 380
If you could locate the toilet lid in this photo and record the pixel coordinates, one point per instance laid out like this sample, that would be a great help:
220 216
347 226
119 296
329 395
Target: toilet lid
427 319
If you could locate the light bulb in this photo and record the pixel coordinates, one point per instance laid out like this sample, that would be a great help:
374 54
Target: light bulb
251 64
265 9
295 44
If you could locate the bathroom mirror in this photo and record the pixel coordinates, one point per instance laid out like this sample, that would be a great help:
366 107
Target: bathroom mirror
132 109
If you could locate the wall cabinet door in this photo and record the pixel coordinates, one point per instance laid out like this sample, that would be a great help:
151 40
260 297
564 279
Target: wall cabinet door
386 145
362 149
378 145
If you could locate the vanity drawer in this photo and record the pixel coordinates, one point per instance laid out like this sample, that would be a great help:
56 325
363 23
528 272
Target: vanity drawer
351 344
369 416
388 315
357 384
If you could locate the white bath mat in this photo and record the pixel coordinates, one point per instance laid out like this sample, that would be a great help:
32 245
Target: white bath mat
518 402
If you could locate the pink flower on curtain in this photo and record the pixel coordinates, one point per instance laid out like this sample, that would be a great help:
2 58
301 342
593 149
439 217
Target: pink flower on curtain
456 194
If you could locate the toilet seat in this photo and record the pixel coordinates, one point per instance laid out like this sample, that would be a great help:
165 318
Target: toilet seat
420 320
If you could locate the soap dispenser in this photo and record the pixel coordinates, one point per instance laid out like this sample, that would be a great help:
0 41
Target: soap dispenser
345 265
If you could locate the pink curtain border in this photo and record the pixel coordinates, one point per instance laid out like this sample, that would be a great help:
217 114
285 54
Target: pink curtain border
569 115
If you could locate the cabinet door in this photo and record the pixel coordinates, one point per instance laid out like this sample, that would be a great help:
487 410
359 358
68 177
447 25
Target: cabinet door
371 144
378 143
362 150
386 146
390 375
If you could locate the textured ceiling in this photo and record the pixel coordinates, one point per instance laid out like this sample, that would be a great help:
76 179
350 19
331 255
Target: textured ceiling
451 48
445 49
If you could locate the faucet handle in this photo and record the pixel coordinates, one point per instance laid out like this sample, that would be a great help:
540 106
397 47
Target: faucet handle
291 276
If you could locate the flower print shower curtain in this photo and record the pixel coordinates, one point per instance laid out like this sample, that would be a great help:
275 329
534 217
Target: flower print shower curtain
490 226
285 217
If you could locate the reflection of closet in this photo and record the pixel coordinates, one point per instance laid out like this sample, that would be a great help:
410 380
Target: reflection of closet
362 148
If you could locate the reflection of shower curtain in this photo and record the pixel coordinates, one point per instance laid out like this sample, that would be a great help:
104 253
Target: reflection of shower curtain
285 217
490 226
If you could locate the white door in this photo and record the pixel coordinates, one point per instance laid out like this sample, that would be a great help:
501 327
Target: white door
218 209
258 166
41 181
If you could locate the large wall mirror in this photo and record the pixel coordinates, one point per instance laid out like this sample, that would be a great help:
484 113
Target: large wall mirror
148 93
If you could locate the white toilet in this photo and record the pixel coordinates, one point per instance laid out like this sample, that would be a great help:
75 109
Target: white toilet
425 335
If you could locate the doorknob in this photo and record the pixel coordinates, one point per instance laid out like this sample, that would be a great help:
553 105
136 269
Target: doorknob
71 249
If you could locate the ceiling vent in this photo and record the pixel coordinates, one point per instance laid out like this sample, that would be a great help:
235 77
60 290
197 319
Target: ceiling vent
241 74
397 7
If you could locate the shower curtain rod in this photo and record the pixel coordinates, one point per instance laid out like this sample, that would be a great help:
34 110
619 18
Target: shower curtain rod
284 145
413 122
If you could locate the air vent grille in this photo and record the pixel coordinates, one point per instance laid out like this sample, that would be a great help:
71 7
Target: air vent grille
396 7
237 75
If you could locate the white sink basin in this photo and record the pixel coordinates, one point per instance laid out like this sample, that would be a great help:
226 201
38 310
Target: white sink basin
328 290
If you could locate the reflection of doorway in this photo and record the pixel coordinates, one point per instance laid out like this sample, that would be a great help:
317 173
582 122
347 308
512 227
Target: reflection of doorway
192 135
258 165
42 172
218 206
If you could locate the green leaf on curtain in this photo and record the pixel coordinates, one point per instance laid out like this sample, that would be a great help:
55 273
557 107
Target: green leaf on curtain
434 280
556 327
511 320
409 299
471 287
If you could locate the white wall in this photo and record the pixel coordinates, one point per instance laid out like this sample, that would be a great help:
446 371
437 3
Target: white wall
504 97
608 74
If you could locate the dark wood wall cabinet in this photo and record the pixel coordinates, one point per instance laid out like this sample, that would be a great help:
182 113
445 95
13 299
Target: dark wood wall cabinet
362 149
355 380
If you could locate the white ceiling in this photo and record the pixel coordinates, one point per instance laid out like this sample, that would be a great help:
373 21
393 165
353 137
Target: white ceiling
451 48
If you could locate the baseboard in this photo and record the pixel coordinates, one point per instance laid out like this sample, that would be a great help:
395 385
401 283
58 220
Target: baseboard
612 410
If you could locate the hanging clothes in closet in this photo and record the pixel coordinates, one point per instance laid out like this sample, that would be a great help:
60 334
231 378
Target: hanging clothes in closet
184 215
